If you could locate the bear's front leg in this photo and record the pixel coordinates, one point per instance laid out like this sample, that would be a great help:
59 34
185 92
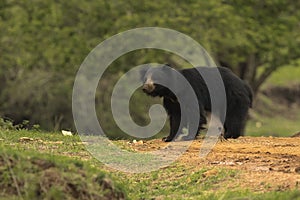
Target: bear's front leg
174 127
173 109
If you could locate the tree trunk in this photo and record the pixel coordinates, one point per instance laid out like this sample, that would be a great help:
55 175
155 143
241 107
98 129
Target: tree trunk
262 78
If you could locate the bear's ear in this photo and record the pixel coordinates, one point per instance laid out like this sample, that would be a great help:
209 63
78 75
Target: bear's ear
143 72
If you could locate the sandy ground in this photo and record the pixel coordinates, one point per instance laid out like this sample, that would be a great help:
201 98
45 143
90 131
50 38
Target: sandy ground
264 163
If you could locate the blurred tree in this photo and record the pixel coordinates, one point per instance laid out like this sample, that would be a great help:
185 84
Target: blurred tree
268 38
43 42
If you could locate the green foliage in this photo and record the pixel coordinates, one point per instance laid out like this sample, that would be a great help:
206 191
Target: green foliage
6 125
44 42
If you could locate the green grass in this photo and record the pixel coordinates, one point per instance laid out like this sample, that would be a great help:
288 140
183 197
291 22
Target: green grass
176 182
41 168
284 76
28 174
53 143
275 119
276 126
246 195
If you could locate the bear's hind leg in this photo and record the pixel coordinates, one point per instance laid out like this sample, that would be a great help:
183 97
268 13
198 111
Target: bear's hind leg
235 124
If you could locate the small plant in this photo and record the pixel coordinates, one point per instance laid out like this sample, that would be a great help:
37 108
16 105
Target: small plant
6 124
36 127
23 126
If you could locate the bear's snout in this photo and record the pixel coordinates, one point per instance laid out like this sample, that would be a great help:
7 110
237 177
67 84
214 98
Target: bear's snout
148 87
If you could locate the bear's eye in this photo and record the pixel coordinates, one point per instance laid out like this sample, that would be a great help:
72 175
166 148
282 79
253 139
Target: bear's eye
148 79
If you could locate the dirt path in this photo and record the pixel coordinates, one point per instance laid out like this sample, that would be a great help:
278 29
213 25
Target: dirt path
265 163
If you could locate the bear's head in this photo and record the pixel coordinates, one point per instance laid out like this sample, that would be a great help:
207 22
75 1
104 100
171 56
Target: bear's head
155 79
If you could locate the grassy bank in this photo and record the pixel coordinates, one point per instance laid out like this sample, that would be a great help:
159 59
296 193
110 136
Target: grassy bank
48 165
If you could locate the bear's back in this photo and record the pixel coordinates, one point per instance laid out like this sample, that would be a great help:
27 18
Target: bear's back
235 88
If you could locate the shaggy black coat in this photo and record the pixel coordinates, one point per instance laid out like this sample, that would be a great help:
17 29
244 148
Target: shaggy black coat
238 96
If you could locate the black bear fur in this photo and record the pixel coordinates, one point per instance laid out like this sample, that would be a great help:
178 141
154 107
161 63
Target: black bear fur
238 95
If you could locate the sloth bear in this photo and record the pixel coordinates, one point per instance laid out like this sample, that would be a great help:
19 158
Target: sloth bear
238 97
